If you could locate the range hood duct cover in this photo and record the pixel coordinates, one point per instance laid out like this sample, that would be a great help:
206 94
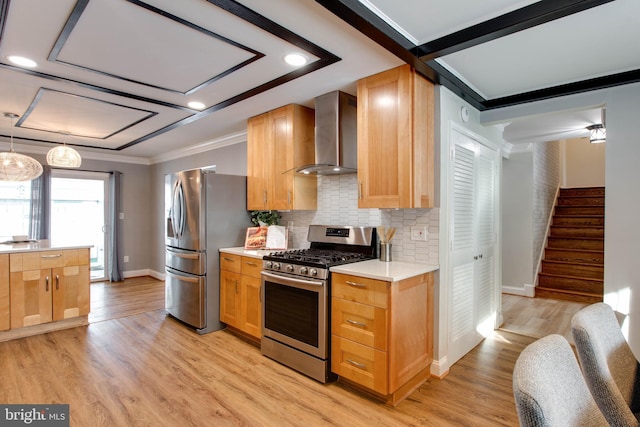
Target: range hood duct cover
336 135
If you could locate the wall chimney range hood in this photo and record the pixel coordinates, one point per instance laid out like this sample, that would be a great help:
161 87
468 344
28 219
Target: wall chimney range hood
335 135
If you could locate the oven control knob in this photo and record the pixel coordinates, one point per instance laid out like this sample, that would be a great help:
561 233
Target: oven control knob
276 266
314 272
268 264
290 268
304 270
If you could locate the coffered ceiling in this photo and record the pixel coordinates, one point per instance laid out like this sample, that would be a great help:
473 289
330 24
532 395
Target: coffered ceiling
115 76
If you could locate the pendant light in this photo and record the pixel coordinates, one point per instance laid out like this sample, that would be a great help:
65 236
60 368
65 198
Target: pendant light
17 167
64 157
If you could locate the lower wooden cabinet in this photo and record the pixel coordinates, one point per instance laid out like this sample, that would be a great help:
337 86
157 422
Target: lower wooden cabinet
48 286
5 313
382 332
240 282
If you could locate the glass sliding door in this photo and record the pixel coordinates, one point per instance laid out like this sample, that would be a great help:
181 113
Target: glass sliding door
79 206
15 200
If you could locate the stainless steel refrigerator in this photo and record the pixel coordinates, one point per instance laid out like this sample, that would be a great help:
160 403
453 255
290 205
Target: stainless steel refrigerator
204 212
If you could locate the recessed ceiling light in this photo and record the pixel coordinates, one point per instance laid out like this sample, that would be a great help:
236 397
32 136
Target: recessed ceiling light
22 61
196 105
295 59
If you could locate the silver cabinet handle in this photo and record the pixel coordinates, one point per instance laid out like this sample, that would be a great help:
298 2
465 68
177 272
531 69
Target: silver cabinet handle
252 264
356 364
357 285
46 283
354 322
57 281
51 256
229 259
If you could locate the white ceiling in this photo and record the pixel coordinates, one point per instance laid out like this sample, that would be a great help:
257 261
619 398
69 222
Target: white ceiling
115 76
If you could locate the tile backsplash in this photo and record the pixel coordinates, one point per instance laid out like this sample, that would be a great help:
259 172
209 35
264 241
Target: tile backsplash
338 205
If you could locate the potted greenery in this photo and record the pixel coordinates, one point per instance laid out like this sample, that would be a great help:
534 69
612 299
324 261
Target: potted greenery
265 218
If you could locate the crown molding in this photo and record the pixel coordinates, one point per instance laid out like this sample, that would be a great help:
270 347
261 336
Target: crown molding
213 144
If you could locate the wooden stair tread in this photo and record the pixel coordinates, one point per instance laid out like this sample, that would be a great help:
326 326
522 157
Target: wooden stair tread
559 261
578 216
576 238
570 277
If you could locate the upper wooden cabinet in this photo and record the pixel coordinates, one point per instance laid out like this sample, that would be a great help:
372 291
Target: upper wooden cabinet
277 142
395 140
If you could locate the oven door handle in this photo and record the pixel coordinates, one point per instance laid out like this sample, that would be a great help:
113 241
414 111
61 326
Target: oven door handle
292 280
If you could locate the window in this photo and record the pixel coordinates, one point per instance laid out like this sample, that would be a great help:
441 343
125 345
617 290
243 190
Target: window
15 206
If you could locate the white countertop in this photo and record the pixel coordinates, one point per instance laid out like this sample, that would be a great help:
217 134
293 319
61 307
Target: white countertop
252 253
40 245
389 271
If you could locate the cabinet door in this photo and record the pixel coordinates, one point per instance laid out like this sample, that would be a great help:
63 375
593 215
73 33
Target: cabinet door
230 298
259 155
30 297
251 306
281 184
385 139
70 291
5 319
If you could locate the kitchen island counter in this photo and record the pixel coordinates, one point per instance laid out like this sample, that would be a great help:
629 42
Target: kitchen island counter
393 271
38 246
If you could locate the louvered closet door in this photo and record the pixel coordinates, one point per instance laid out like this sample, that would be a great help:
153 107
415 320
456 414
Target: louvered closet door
472 263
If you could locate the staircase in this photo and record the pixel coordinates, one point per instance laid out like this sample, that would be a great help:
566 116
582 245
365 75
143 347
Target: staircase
573 265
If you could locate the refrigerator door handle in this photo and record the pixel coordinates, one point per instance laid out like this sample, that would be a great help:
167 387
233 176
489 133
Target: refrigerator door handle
177 212
184 255
183 278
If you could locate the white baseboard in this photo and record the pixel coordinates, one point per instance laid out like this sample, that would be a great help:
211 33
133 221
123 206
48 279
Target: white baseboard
143 272
440 368
525 291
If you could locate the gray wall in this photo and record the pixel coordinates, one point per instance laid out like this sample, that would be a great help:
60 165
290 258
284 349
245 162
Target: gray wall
622 203
230 160
517 221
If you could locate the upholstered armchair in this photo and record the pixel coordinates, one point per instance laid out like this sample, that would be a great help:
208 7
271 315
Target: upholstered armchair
609 367
549 388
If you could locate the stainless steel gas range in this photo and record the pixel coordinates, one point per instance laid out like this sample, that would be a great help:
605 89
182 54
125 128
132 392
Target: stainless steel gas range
296 296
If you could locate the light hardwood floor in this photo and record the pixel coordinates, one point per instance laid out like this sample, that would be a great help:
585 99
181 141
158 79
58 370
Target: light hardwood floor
138 367
538 317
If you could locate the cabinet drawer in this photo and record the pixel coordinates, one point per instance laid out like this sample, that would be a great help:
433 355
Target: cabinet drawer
360 289
230 262
364 324
41 260
251 267
361 364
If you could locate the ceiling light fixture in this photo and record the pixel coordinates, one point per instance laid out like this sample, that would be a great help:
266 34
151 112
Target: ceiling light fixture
196 105
22 61
597 134
64 157
295 59
17 167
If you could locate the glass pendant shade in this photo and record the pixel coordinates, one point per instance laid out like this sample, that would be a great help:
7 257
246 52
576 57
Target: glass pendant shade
64 157
17 167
